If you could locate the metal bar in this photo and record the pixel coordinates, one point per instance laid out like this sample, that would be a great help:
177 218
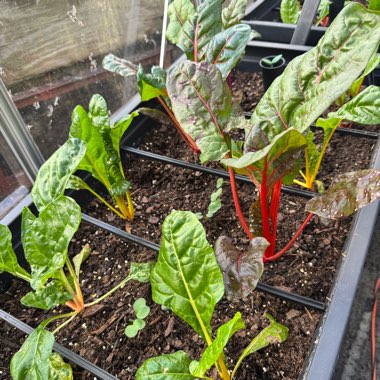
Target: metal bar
68 354
302 31
261 9
279 32
163 36
304 301
17 136
206 170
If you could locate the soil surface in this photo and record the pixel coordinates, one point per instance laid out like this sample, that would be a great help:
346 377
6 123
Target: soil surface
307 269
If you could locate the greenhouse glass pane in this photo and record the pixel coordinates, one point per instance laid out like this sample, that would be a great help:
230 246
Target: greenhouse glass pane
51 53
14 184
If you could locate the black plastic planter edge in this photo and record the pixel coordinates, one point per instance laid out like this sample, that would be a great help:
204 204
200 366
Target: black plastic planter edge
332 329
272 290
66 353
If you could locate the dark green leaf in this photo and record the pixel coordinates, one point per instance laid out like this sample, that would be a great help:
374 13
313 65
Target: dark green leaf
166 367
31 362
179 11
213 352
241 270
119 66
80 258
274 333
47 297
290 11
314 80
200 28
187 278
227 47
233 13
201 102
54 174
46 238
8 258
151 85
347 193
58 369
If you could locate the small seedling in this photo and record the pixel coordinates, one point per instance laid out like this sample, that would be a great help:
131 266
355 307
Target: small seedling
215 203
272 61
142 311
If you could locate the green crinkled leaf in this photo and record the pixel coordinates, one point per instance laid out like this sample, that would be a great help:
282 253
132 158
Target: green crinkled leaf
187 278
233 13
140 271
47 297
364 108
372 64
201 102
200 28
226 48
151 85
54 174
274 333
46 238
166 367
31 362
179 11
77 183
314 80
290 11
374 5
80 258
119 66
58 369
102 157
280 156
347 193
241 270
8 258
213 352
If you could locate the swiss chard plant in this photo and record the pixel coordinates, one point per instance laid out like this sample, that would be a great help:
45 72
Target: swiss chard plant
53 276
274 137
290 11
208 32
364 108
102 156
187 280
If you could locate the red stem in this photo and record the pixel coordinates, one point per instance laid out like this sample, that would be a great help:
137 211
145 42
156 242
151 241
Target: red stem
373 330
264 205
273 213
291 242
183 134
237 205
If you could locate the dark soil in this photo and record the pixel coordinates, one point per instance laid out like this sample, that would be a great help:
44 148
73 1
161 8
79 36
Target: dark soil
307 269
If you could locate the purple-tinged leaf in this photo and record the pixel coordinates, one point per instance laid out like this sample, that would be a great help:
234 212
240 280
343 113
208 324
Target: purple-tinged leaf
347 193
241 270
